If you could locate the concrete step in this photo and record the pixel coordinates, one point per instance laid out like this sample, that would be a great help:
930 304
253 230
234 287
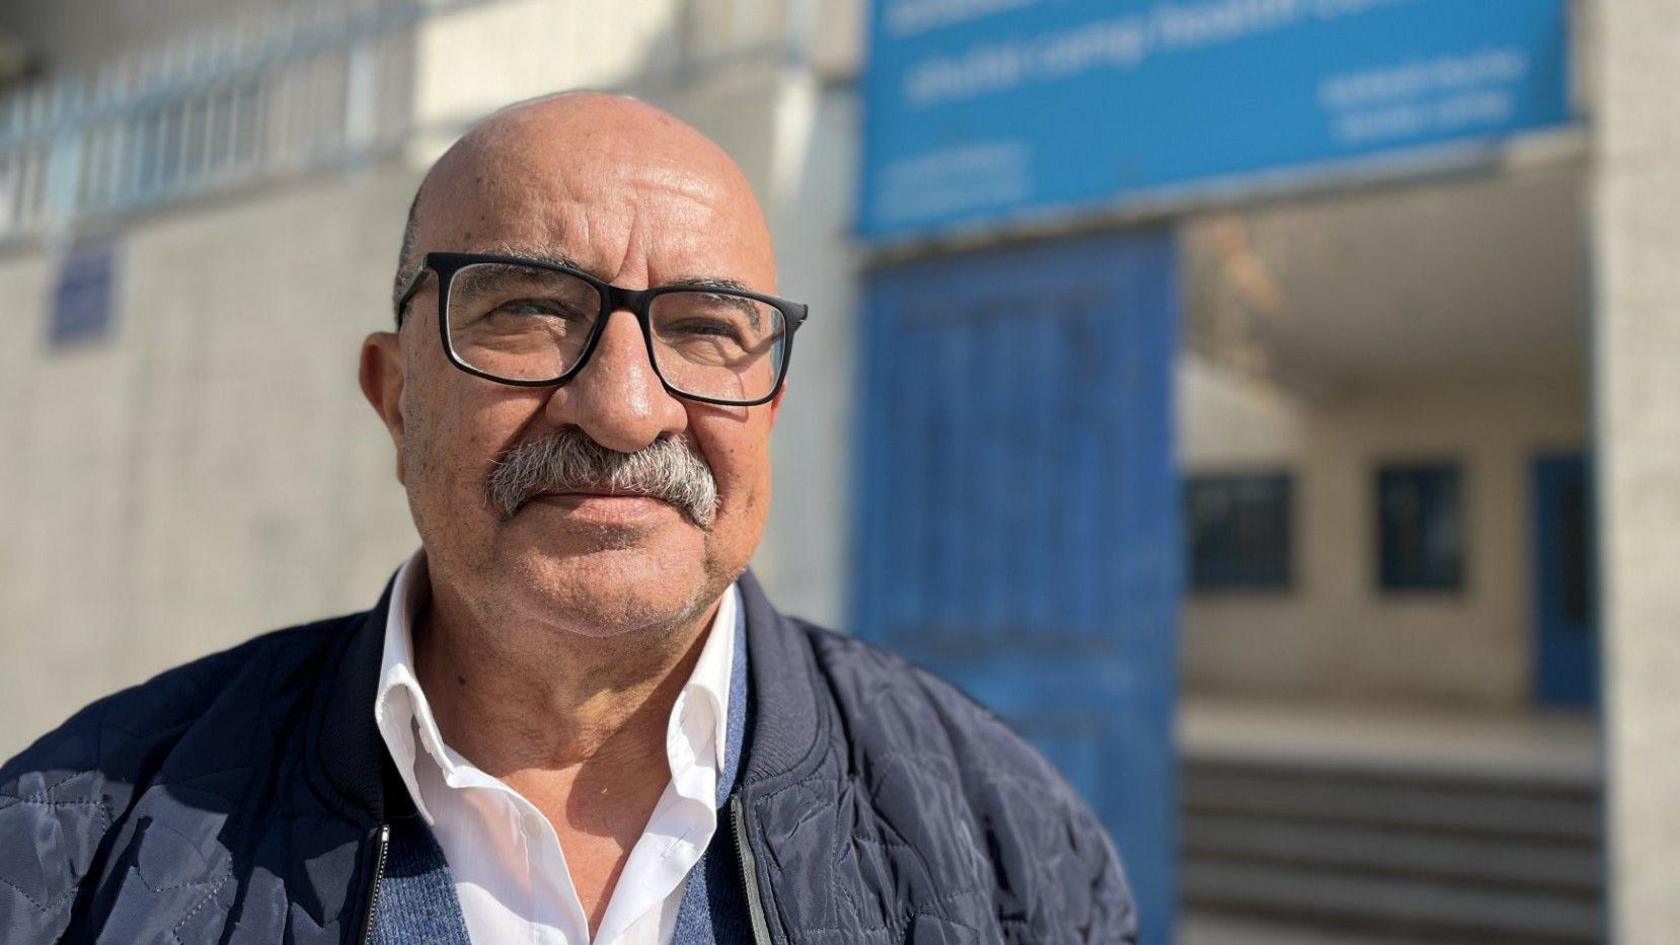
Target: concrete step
1196 928
1474 855
1548 809
1424 909
1568 868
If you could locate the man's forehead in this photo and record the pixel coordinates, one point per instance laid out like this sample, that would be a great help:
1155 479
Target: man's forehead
519 187
550 255
508 173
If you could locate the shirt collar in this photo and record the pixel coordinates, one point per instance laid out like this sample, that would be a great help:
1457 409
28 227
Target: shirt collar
696 733
400 708
696 736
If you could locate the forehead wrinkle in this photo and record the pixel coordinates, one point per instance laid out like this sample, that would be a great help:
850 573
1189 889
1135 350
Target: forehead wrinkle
701 186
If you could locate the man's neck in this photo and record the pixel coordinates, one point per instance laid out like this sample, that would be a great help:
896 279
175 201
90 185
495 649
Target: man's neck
576 724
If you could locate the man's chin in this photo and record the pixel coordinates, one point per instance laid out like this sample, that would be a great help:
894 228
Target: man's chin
600 589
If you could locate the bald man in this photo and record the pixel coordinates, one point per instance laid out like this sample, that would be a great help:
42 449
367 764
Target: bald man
573 717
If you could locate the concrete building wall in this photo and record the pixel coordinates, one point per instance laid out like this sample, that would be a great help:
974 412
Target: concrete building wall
209 470
468 62
805 557
1335 634
1637 392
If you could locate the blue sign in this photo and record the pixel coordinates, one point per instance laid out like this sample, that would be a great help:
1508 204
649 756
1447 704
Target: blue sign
980 110
1018 513
82 296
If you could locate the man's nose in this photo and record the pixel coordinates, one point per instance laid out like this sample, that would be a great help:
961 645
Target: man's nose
617 398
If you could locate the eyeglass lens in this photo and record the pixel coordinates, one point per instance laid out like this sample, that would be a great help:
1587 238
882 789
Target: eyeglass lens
523 323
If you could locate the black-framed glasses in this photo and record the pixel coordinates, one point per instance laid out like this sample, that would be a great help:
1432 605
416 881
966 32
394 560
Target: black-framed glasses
534 324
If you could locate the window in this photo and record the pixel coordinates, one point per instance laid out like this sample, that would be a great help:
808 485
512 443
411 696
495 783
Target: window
1239 531
1420 525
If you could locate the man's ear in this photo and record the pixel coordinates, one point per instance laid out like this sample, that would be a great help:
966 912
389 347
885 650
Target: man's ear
381 376
776 403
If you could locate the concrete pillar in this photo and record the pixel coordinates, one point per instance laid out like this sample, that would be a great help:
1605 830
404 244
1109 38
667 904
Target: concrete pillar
1637 388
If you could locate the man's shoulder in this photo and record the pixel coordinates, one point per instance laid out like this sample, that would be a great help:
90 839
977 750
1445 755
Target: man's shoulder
190 742
902 704
119 733
934 765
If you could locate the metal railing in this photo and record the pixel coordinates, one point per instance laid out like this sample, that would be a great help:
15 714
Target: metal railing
230 105
320 85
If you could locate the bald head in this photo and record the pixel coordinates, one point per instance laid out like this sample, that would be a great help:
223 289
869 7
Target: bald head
514 181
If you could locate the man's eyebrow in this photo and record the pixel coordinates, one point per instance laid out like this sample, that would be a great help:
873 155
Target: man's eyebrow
555 258
707 283
480 276
747 306
533 254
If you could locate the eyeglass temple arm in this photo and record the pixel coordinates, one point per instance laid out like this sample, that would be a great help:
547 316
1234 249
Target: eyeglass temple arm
409 291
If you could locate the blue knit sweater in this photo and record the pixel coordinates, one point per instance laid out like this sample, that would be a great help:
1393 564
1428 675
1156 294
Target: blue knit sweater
417 895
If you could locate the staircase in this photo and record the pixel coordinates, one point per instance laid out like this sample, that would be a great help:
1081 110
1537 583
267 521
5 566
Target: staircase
1389 847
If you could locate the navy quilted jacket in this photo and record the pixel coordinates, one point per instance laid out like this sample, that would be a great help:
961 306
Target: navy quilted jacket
241 798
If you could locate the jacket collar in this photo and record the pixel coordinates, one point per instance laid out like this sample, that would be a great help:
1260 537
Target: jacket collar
789 716
786 731
351 753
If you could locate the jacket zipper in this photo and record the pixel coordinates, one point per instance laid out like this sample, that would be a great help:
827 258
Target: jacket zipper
749 872
378 874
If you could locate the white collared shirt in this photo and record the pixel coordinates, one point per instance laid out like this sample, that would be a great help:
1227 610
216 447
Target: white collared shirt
510 873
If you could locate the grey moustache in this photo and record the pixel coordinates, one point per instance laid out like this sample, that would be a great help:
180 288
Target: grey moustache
567 460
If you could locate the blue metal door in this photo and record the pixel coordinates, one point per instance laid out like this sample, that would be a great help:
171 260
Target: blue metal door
1566 583
1018 509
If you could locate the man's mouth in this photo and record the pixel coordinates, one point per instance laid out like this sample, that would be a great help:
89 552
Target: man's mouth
603 507
599 497
597 493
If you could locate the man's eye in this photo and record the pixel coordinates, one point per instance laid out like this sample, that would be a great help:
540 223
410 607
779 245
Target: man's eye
538 307
705 328
710 328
